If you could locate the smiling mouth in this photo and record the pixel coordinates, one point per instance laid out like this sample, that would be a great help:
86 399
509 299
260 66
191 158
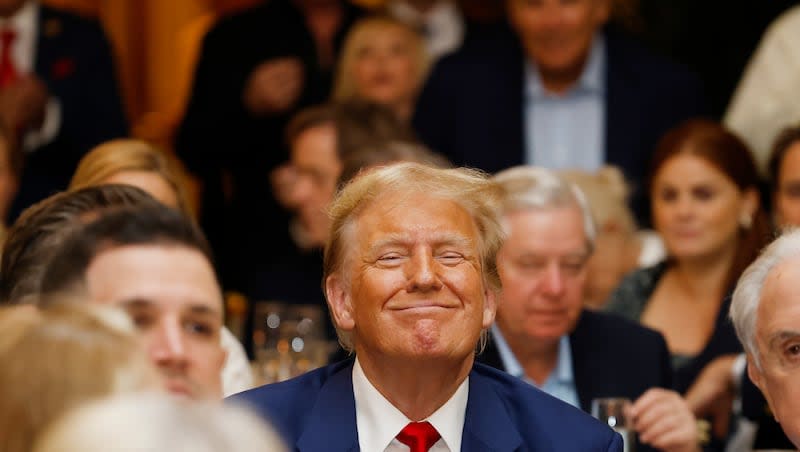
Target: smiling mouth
421 307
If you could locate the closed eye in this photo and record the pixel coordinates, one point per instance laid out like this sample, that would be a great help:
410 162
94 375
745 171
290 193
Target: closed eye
450 258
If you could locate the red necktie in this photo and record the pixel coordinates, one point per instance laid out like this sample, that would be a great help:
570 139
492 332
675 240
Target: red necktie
418 436
8 73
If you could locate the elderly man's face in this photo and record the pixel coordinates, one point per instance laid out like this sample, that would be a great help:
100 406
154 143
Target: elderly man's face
173 298
412 287
778 342
557 34
542 266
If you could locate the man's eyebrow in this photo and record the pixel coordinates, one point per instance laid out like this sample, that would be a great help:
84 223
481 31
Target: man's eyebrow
201 309
783 335
439 238
197 308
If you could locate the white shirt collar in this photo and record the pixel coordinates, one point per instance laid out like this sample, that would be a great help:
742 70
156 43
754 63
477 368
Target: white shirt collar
25 23
379 422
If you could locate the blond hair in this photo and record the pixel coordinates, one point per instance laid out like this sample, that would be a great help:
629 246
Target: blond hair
125 154
359 35
471 189
607 193
63 356
156 423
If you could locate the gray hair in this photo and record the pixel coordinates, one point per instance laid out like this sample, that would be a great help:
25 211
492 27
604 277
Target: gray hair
747 296
535 188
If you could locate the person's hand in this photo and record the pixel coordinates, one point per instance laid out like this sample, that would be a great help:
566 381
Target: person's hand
713 383
663 420
22 104
712 393
274 86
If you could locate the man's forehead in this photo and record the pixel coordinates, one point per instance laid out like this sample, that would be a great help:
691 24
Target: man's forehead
167 276
395 214
201 307
779 306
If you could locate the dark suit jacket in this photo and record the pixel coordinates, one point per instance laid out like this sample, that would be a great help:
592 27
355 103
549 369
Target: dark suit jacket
74 60
471 108
316 412
611 357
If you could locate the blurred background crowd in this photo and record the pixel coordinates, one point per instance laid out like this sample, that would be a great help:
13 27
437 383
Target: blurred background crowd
677 119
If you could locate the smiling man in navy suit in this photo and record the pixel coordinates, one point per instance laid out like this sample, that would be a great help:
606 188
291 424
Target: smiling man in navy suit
410 279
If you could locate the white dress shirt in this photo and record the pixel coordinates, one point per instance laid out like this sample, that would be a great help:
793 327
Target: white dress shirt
379 422
26 25
236 373
567 131
766 99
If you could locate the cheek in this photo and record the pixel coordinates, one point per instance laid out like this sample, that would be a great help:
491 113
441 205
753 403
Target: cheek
363 70
788 210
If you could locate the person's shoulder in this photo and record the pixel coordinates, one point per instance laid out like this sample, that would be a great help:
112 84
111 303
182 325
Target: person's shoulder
496 53
541 418
784 26
626 53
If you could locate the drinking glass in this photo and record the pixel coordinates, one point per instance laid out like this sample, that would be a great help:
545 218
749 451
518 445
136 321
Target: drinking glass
611 411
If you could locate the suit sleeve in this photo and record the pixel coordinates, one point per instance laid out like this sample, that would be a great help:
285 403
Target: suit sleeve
615 445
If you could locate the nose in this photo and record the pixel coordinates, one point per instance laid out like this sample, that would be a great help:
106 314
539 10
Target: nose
684 207
553 280
301 190
167 346
551 16
421 273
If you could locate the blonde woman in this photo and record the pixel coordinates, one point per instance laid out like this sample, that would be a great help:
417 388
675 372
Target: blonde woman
383 61
138 163
59 358
620 247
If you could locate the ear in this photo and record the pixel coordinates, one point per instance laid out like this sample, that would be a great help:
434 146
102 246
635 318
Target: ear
757 378
753 372
489 307
339 302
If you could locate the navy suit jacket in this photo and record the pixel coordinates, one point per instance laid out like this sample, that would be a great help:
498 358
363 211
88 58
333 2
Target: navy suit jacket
317 412
471 108
74 60
611 357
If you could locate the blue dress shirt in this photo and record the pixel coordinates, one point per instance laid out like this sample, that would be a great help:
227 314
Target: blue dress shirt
561 382
567 130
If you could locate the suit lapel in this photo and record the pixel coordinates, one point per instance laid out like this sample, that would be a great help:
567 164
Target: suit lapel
579 343
487 426
332 421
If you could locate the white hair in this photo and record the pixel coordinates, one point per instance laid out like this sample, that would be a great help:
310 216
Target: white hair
158 423
532 187
747 296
